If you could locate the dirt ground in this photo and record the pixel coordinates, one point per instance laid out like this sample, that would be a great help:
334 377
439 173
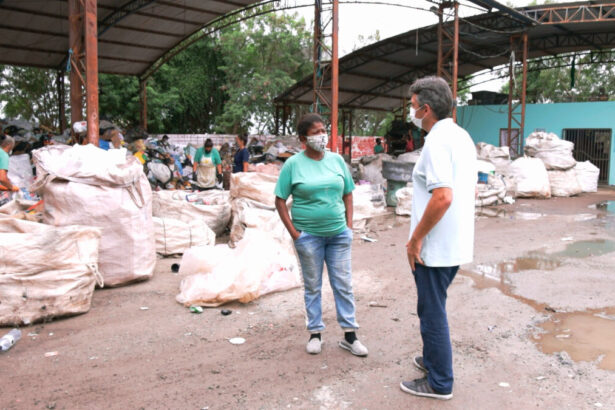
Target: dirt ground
532 324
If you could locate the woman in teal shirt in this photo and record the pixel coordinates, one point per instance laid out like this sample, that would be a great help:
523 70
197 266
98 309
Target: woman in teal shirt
321 227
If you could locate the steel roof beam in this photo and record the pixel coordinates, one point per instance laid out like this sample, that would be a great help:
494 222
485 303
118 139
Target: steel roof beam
492 4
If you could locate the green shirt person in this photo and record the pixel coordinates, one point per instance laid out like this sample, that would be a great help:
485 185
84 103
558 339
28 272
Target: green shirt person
321 227
378 148
206 162
6 145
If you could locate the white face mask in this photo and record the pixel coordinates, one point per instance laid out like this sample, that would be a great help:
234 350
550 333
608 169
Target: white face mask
416 121
317 142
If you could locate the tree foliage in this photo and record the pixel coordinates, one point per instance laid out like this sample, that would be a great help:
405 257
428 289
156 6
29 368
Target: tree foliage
30 94
262 57
588 77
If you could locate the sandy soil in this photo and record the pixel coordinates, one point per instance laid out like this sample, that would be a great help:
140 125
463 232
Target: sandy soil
121 356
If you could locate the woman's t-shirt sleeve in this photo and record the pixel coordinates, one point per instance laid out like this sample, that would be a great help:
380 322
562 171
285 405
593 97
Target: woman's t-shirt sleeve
216 157
284 186
348 182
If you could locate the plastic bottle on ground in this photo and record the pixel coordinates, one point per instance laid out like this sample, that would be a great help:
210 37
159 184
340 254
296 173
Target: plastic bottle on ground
8 340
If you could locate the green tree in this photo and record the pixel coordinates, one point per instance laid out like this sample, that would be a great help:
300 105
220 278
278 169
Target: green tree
262 56
570 77
29 93
184 96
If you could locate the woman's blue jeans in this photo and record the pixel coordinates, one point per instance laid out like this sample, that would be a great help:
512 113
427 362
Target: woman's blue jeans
335 251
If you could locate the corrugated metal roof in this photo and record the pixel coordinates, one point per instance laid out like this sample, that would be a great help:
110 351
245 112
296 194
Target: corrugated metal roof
378 76
133 34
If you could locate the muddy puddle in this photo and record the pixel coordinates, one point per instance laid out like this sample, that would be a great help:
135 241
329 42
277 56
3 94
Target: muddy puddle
495 212
585 336
606 206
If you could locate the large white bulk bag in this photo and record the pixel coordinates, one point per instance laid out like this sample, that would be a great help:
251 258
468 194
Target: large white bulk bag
212 207
256 186
175 237
553 151
46 271
564 183
85 185
587 175
530 178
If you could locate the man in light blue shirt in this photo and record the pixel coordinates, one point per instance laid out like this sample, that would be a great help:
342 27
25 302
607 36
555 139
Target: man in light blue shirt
441 229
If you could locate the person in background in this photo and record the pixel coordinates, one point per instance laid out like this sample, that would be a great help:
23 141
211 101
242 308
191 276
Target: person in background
207 165
378 148
242 156
410 142
321 227
441 229
139 148
164 143
6 146
116 139
43 141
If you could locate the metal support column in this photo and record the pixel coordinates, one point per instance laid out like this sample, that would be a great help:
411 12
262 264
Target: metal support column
91 68
350 118
326 65
83 60
143 94
75 41
61 101
516 110
448 49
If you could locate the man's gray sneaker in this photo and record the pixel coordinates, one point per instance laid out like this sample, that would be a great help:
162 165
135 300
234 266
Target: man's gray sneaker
356 348
418 362
314 346
421 387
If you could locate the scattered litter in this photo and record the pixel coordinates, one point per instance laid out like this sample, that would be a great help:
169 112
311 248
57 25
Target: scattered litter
598 404
504 384
251 313
490 328
540 378
377 304
550 309
175 268
50 333
226 312
562 336
93 357
8 340
196 309
367 239
237 340
188 334
567 238
509 200
32 334
51 354
144 308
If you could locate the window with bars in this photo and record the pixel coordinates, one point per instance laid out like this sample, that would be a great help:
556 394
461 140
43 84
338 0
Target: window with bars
591 144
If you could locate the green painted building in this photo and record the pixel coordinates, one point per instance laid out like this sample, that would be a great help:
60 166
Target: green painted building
588 124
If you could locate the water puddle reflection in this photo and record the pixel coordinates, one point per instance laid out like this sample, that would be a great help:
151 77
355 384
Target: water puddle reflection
585 336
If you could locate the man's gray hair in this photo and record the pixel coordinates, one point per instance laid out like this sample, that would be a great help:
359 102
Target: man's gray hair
8 141
435 92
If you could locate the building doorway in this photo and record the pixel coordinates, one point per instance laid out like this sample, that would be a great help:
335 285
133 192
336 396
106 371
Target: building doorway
591 144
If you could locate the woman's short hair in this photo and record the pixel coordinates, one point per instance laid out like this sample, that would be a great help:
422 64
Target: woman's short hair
306 122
